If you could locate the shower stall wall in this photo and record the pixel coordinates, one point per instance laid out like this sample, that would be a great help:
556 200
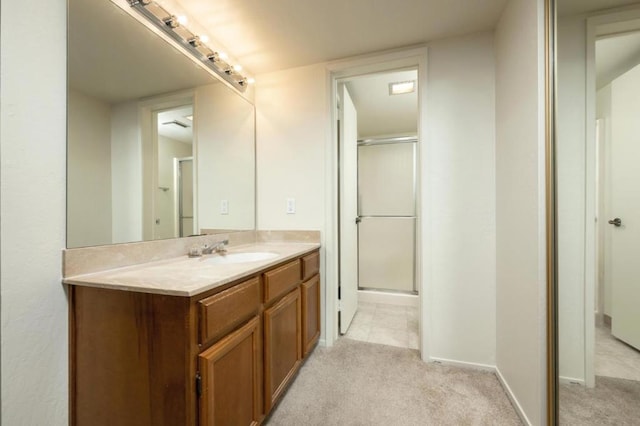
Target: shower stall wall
387 214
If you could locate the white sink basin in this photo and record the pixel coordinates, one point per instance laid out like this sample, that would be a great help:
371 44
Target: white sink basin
225 259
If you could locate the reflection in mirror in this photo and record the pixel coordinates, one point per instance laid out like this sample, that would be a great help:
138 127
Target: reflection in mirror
597 110
157 146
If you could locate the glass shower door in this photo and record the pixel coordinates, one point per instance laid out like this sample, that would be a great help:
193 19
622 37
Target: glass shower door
387 215
185 197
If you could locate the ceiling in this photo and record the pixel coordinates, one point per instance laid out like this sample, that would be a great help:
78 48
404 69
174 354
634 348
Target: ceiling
615 56
270 35
110 52
112 57
574 7
168 128
381 114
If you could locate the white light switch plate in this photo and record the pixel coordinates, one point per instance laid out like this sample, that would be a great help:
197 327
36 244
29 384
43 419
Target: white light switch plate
224 206
291 205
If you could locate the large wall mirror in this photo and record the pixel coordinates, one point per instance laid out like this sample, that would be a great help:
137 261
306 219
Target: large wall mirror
157 146
598 211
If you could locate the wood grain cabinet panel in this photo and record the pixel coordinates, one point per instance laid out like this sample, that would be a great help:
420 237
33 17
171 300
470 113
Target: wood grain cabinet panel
282 345
310 313
279 281
223 312
129 353
310 265
231 373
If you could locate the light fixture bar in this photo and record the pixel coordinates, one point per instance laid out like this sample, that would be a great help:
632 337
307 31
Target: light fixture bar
169 24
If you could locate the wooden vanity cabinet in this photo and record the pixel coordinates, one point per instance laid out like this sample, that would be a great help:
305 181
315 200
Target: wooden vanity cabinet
231 378
223 357
282 345
310 292
310 301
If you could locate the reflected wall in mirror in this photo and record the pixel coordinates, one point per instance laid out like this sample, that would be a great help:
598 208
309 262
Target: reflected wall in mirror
598 211
157 146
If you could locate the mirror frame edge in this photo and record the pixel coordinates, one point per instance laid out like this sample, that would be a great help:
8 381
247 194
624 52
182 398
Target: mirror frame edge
552 385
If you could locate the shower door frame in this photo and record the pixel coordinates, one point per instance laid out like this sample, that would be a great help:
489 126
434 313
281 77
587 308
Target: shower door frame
394 141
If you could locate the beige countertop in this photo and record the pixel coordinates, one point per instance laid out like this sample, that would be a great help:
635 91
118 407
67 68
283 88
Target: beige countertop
184 276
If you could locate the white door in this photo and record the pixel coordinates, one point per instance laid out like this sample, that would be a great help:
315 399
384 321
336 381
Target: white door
625 208
348 152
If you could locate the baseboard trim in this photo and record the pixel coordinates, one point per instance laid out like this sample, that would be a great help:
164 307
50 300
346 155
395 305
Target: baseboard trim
464 364
607 320
512 397
322 342
399 299
571 381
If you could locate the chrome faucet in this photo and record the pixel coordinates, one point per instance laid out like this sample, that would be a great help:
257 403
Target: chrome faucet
219 247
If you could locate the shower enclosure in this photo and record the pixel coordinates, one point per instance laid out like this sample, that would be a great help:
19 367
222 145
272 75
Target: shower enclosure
387 214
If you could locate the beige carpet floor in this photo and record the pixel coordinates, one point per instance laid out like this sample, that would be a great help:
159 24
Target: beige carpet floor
360 383
613 401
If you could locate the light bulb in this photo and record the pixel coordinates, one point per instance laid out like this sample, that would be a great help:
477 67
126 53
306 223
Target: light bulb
182 20
204 38
223 56
237 68
251 80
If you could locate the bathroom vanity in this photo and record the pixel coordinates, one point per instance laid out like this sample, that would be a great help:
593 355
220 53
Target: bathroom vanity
192 341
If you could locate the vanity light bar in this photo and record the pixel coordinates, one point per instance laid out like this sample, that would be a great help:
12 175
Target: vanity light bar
175 27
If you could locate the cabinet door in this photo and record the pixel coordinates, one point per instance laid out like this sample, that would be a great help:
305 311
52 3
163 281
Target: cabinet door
231 379
310 313
282 345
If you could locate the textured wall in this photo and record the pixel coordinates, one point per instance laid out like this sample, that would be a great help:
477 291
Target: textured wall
32 217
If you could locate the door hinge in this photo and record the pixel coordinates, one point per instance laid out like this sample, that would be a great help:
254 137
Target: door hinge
198 385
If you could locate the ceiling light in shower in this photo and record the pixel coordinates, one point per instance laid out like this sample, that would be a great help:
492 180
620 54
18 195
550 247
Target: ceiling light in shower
402 87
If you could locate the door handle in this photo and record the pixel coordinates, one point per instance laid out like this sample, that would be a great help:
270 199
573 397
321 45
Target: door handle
617 222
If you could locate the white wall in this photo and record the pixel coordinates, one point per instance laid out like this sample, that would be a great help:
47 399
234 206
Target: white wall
461 109
32 212
126 172
88 171
521 266
165 208
293 128
571 183
225 141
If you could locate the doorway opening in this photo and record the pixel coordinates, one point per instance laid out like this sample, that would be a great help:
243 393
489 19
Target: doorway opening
378 207
617 236
173 204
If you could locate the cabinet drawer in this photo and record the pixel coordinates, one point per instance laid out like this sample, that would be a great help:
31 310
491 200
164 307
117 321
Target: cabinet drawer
279 281
222 312
310 265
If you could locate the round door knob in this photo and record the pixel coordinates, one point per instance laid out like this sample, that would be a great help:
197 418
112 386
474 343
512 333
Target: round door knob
616 222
